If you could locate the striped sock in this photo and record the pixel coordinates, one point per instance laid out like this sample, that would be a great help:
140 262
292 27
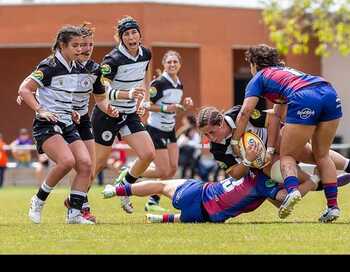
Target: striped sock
291 183
331 192
44 191
168 218
123 190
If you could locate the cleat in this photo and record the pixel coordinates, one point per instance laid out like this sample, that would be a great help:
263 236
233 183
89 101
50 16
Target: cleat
36 206
288 204
329 215
109 191
154 208
86 213
77 219
121 177
154 218
124 200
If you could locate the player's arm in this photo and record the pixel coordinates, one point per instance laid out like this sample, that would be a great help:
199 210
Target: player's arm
103 104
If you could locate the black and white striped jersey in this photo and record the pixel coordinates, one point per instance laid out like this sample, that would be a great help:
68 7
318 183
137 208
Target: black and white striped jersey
58 81
164 91
125 72
223 152
90 72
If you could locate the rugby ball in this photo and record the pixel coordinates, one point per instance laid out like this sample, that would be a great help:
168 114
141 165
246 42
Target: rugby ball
248 139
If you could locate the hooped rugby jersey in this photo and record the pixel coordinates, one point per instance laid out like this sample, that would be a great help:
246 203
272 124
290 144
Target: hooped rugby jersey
58 82
279 83
125 72
164 91
223 152
90 73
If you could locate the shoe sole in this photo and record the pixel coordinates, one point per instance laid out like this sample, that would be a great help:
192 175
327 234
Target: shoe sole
284 212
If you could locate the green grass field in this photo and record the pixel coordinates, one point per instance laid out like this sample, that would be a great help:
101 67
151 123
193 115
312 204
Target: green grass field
259 232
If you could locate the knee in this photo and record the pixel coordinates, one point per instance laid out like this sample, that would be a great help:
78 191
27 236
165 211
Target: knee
84 166
148 155
67 163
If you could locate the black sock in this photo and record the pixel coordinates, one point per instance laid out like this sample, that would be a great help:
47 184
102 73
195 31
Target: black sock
129 178
76 201
42 195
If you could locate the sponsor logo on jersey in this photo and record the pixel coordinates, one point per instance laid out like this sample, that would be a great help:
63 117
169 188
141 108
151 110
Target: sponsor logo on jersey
86 82
153 92
38 75
256 114
270 183
105 69
306 113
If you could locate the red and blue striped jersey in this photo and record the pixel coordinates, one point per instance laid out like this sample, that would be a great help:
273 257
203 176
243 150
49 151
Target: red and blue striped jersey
278 83
230 197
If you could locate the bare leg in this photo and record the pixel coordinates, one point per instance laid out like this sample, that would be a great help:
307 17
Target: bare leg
142 143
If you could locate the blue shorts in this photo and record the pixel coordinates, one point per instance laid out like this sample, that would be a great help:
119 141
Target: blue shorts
314 104
188 199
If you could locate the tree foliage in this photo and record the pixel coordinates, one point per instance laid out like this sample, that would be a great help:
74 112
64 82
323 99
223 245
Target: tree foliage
292 27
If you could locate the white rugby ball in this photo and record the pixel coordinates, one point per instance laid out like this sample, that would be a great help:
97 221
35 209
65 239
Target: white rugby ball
250 138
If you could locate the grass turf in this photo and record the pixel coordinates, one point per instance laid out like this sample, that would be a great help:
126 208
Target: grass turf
260 232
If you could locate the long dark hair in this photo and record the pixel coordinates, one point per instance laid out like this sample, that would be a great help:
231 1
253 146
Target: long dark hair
65 35
263 56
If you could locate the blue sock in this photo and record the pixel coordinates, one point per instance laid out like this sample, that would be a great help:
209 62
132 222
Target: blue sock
291 183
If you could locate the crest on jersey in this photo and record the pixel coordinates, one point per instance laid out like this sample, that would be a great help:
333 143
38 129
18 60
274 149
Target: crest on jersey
39 75
107 135
152 91
105 69
86 82
256 114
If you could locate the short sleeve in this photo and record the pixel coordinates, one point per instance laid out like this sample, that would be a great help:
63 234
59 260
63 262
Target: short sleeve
155 91
98 87
255 86
42 75
108 68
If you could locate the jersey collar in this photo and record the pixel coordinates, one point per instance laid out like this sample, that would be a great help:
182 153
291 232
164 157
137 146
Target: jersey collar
167 76
125 52
59 56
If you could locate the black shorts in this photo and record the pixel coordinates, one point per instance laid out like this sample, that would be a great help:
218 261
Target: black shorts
43 130
105 128
160 138
84 128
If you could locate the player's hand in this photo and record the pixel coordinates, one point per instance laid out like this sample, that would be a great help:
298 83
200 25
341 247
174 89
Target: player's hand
268 159
47 115
76 117
19 100
171 108
137 93
188 102
252 152
112 111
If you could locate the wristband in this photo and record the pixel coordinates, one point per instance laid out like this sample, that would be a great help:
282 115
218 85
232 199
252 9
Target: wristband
234 142
271 150
163 108
247 163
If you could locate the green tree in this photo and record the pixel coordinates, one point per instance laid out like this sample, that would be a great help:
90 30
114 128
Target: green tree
292 27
